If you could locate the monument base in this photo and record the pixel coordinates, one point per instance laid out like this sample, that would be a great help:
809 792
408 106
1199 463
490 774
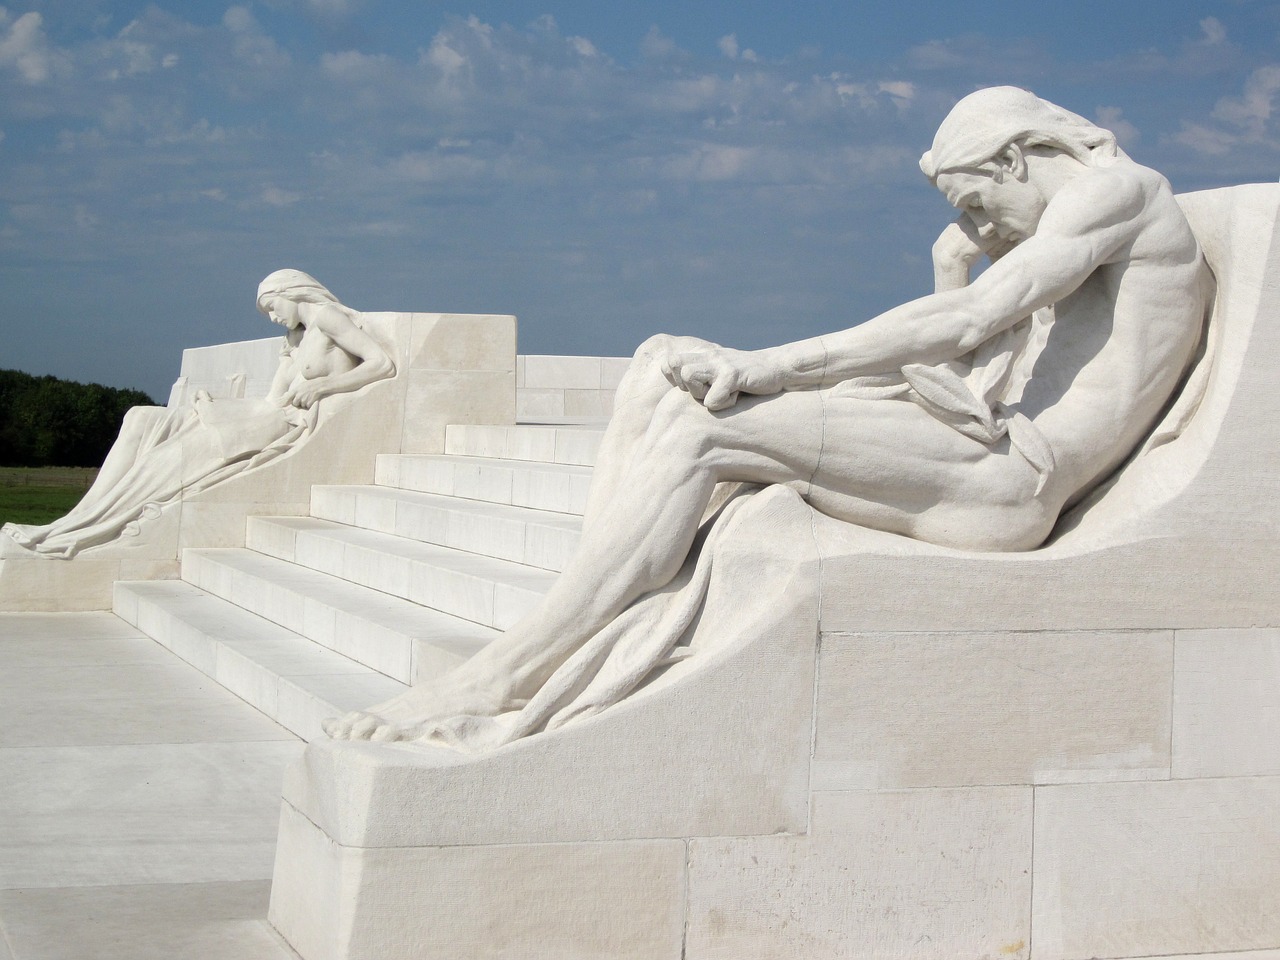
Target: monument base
1063 754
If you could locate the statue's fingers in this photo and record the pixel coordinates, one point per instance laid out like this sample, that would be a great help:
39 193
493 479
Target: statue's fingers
365 727
668 368
722 394
696 386
681 371
336 727
387 731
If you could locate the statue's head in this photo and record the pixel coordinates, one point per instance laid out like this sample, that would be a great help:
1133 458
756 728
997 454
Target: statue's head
983 125
999 152
294 285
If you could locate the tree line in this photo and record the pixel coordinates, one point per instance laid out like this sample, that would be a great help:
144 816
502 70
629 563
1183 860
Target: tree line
50 422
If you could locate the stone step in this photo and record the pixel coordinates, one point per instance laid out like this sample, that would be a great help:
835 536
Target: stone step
558 487
532 537
292 680
405 641
484 590
569 444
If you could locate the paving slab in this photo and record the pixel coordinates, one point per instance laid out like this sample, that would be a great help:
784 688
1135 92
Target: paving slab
138 800
209 921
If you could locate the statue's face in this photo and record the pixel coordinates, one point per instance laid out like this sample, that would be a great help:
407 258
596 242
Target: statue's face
283 311
1008 207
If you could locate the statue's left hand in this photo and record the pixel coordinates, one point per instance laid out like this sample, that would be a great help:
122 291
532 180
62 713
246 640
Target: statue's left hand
305 395
716 376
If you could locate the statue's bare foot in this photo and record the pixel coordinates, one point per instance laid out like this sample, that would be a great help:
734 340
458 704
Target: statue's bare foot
413 714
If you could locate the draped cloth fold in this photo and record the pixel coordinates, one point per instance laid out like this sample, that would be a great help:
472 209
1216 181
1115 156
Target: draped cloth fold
161 455
737 582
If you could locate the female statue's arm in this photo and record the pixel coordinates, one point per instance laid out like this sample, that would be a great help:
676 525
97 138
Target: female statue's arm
372 364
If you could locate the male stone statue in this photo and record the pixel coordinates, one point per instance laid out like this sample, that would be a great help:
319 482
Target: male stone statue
960 418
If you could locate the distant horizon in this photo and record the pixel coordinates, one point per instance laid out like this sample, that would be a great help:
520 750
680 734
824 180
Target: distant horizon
732 170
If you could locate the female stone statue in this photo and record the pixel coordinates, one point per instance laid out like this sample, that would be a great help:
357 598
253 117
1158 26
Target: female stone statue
163 453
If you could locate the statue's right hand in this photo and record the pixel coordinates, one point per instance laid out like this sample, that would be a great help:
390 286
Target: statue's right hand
716 376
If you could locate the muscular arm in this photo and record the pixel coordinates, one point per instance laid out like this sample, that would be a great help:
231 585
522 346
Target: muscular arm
1087 224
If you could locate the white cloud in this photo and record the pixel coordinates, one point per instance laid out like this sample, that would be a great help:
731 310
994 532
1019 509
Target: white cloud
352 64
239 20
655 45
729 47
1213 30
445 58
25 49
1252 111
902 92
583 47
1112 118
1203 140
276 197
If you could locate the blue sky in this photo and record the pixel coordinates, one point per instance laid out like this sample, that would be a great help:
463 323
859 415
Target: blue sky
744 171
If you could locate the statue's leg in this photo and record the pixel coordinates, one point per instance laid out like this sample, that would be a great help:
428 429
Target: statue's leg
885 464
140 430
636 542
639 393
889 465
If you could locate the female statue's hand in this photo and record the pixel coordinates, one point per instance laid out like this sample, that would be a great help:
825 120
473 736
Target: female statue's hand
304 395
716 376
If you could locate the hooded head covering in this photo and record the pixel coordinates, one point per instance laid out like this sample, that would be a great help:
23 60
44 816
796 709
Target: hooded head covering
296 285
986 121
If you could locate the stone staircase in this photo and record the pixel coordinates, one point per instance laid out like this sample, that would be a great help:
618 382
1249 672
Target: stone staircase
381 585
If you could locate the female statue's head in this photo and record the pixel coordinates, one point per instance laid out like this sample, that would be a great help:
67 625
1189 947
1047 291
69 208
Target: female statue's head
292 285
982 125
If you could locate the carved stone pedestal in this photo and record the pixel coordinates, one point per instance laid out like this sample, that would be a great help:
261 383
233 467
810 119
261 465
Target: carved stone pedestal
1068 753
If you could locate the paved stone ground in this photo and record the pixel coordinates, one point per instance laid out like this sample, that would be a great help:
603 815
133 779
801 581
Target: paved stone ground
138 800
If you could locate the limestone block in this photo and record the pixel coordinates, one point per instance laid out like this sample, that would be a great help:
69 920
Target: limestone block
577 446
533 405
883 875
436 398
154 813
1140 869
210 368
612 370
567 901
938 709
596 404
166 569
674 760
562 373
219 523
450 341
873 582
209 921
1226 703
491 482
38 583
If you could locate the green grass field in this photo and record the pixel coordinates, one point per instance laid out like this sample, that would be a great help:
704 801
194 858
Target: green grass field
41 494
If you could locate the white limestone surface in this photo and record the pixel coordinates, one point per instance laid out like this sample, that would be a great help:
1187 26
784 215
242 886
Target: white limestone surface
899 710
881 875
1150 869
138 800
1227 703
557 901
964 704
